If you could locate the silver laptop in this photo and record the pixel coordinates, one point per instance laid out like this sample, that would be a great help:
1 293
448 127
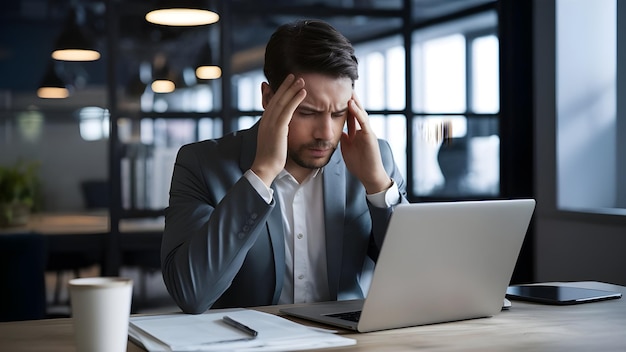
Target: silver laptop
440 262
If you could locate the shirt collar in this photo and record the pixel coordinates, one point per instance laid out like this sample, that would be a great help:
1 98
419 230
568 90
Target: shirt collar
284 173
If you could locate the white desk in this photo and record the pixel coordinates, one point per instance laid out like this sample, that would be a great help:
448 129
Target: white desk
599 326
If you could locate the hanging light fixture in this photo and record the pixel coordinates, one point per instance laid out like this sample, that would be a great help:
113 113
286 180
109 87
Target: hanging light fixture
162 86
162 77
208 72
73 44
52 86
182 13
206 67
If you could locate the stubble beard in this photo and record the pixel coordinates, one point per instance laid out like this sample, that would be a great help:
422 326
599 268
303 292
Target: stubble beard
316 163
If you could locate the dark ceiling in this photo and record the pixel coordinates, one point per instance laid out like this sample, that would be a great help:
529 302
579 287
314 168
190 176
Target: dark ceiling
29 28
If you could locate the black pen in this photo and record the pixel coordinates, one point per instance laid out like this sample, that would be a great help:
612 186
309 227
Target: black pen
239 326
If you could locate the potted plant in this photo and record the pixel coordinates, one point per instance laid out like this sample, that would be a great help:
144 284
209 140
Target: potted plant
18 191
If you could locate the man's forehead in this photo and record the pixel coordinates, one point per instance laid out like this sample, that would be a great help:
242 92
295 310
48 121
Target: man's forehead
319 77
336 105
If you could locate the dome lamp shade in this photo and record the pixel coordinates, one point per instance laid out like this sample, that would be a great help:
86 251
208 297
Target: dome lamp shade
52 86
182 13
73 45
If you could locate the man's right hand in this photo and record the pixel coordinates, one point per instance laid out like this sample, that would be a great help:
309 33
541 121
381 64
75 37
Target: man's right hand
271 153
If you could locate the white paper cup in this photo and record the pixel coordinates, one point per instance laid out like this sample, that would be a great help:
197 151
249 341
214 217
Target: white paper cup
100 313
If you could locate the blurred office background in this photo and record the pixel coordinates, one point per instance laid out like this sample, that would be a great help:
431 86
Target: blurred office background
480 99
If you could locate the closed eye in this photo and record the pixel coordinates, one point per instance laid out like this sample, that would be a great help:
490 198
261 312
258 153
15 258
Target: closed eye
303 112
310 113
339 114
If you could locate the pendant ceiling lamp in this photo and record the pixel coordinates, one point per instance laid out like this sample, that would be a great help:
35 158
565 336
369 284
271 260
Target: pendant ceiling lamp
208 72
73 44
163 86
182 13
52 86
206 67
162 77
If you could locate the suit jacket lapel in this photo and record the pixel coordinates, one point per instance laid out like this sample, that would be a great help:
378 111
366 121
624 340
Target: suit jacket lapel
275 221
334 214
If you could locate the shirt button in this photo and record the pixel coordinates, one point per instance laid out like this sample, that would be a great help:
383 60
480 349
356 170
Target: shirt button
300 236
254 216
246 228
241 235
300 277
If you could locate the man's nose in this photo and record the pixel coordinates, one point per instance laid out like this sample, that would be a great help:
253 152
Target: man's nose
324 127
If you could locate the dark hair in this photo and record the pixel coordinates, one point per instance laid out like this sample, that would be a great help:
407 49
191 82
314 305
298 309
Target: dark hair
308 46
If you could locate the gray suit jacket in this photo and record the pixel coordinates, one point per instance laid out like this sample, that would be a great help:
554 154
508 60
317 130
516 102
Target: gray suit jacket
223 244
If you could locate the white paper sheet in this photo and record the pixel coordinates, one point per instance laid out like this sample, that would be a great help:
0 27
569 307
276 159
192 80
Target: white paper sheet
207 332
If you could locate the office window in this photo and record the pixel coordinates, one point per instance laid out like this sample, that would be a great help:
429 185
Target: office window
93 123
455 103
485 67
591 161
443 75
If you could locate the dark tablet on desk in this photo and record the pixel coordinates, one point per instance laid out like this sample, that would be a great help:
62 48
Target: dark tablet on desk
561 295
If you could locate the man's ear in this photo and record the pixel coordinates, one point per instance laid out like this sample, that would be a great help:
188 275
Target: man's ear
266 94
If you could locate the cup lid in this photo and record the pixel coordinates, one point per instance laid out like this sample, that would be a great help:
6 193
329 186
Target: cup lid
100 282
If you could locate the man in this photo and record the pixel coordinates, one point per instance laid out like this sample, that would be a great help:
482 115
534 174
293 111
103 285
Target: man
279 213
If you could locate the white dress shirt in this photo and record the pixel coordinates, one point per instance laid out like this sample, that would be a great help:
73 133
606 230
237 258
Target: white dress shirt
302 209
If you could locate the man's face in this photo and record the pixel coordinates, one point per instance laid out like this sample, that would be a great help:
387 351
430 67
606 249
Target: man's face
317 123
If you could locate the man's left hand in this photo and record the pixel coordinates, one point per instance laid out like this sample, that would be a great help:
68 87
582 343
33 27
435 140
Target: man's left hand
360 150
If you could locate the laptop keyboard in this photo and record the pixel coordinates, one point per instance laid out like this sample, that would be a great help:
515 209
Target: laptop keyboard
349 316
